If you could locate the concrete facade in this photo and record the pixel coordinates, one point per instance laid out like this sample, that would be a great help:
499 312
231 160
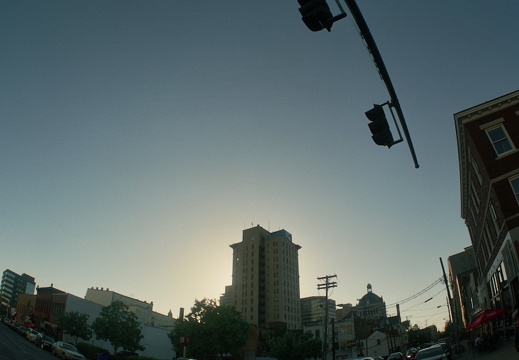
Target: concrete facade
312 309
45 308
265 278
463 273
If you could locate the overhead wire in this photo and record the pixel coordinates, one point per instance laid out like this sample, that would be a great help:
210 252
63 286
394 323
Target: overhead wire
421 292
421 303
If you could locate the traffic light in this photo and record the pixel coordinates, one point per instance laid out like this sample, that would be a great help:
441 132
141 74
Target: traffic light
316 14
379 126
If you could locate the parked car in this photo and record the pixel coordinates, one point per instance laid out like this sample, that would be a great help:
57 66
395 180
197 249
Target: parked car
125 354
22 330
45 342
446 349
66 351
434 352
31 335
396 356
411 353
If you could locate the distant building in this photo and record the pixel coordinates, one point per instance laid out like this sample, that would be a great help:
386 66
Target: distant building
369 315
488 140
43 310
463 274
265 286
225 299
313 317
381 342
142 309
265 279
13 285
312 309
371 307
345 335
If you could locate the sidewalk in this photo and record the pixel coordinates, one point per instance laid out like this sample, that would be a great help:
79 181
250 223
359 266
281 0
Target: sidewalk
505 351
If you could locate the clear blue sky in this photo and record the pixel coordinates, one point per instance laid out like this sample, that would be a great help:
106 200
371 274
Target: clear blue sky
139 138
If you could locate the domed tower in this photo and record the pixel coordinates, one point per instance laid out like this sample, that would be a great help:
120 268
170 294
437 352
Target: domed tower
371 306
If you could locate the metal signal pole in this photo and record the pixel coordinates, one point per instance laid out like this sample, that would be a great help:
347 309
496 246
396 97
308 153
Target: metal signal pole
379 63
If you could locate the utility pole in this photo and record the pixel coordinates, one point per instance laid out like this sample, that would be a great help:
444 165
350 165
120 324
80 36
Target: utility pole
454 324
327 285
333 339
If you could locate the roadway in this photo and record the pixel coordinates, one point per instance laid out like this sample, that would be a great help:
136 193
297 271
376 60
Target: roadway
17 347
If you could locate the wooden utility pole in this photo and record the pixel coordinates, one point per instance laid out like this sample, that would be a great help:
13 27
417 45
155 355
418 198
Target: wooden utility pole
327 285
450 303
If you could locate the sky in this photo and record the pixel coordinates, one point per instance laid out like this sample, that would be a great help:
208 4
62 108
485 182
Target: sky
140 138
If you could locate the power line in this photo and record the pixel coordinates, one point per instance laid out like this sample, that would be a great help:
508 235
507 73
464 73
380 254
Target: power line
412 297
421 303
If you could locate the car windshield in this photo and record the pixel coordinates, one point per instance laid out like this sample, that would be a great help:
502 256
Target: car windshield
69 347
426 353
48 338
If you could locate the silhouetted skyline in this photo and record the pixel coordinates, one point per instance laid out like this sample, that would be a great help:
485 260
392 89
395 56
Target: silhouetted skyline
139 138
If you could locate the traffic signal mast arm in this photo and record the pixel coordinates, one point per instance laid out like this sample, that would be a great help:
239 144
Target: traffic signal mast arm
379 63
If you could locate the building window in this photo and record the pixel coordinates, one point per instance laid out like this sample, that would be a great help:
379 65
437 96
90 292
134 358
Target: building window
487 241
493 215
474 197
476 170
515 187
499 139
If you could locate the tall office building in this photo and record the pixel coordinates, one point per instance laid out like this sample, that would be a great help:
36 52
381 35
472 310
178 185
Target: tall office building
265 279
12 285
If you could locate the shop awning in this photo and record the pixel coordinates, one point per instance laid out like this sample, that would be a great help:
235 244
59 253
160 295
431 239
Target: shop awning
484 317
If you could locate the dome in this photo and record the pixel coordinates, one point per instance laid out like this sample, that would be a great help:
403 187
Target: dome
370 298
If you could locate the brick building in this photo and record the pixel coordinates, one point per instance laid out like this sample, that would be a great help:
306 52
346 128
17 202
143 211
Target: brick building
487 135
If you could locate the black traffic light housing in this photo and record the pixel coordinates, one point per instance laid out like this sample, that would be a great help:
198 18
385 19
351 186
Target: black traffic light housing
381 133
316 14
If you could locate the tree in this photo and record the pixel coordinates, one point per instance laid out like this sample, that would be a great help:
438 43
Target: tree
295 346
213 330
75 324
119 326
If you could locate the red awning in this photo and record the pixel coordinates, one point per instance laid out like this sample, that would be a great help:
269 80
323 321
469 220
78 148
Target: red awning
484 317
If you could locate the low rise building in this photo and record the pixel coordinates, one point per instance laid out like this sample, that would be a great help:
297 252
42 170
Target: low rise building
44 309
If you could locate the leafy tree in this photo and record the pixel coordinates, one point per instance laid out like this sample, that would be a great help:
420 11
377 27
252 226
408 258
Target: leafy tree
119 326
75 324
295 346
213 330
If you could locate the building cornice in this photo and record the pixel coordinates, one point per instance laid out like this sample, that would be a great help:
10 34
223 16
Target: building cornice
461 119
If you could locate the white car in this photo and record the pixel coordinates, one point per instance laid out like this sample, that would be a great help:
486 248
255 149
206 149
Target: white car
434 352
32 335
66 351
